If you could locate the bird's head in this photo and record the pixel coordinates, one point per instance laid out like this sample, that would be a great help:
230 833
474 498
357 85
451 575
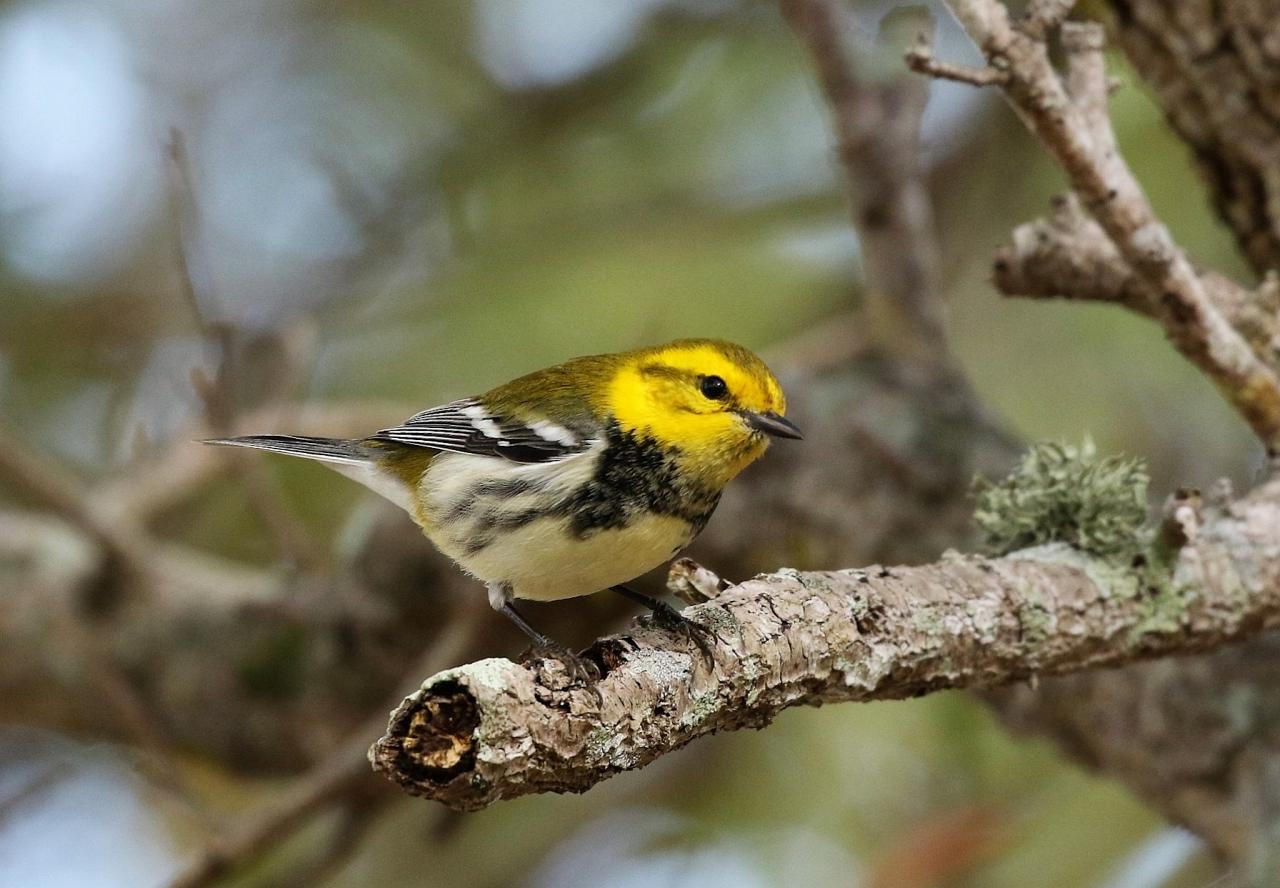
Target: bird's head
713 401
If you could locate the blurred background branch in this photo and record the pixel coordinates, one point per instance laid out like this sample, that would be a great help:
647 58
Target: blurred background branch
876 109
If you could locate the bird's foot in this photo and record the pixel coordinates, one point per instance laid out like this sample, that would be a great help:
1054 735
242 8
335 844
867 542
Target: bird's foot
692 631
580 669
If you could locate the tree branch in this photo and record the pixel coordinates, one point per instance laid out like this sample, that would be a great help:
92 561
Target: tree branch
1069 116
920 59
495 729
1042 17
1211 66
1067 255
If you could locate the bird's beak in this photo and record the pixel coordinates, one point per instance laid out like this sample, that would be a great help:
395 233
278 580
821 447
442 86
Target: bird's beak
772 424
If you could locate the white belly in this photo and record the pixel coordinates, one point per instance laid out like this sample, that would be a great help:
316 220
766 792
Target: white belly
541 559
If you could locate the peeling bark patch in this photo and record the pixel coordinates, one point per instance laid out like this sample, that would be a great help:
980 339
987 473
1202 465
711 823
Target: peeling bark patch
867 613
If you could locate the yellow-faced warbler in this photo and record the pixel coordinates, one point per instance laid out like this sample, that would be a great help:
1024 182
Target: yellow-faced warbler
576 478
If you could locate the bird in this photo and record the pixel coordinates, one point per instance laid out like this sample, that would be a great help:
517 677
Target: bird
575 478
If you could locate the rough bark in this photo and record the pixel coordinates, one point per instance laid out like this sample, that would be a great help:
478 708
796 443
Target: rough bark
494 729
1213 66
883 477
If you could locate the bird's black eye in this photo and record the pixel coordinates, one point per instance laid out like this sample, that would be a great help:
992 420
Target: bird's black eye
713 387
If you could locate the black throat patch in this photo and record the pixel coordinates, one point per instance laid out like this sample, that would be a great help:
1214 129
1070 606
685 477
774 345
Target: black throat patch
637 475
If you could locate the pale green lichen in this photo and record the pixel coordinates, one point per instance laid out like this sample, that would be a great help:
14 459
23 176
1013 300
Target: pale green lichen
1162 602
1162 610
859 604
1068 494
664 667
701 707
600 742
1116 578
719 620
925 621
868 670
1034 615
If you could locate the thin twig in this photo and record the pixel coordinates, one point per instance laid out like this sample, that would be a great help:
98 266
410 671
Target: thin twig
920 59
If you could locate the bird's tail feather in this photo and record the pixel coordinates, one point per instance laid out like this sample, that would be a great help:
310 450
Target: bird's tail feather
331 450
351 457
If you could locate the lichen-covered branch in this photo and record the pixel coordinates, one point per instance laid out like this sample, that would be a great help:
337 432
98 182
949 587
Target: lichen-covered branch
1193 737
496 729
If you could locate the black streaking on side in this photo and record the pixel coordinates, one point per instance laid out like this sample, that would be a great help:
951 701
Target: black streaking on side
635 476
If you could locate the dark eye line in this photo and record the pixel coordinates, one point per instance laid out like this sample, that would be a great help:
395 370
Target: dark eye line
727 400
661 370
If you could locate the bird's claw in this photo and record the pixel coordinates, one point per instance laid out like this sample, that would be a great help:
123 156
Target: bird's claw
580 669
692 631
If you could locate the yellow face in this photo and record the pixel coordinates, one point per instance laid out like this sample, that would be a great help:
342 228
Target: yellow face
716 402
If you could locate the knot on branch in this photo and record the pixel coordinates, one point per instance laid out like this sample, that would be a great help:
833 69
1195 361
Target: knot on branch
1068 494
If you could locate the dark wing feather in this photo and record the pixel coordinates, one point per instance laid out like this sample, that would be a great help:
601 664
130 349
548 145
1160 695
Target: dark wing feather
467 426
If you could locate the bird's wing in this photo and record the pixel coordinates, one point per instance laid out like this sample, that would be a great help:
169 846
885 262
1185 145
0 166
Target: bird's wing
468 426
